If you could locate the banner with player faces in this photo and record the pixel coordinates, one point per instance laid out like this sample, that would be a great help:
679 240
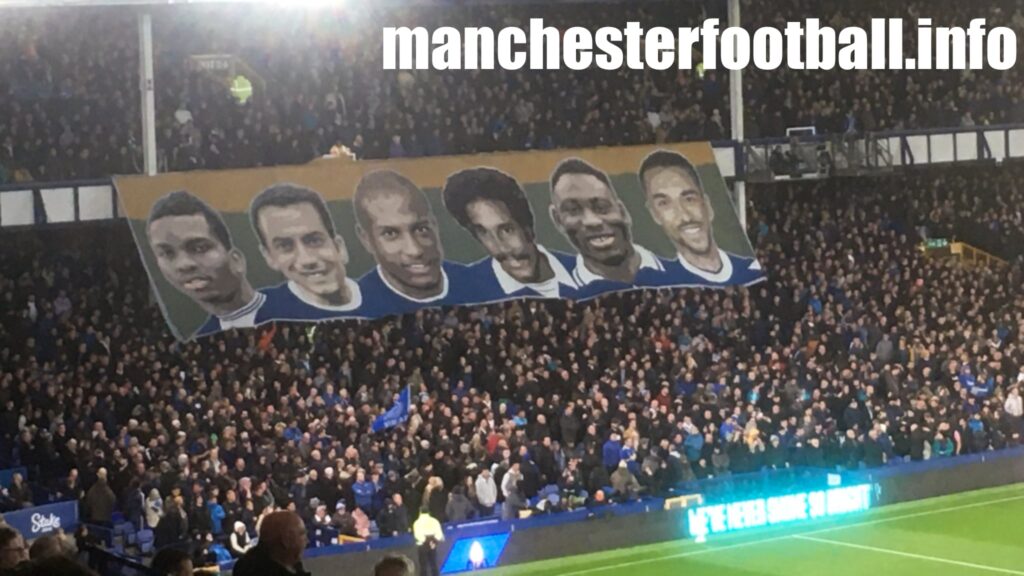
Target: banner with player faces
337 239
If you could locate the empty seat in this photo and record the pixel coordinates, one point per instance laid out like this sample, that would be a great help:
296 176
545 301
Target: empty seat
144 539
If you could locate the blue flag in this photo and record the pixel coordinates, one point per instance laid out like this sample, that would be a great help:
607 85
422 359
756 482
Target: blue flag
395 415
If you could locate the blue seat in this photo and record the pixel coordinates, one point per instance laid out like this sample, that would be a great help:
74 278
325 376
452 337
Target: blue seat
123 528
144 539
549 490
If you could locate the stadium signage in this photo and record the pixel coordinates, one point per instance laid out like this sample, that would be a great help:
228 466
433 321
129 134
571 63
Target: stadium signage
46 519
731 517
211 62
45 523
475 553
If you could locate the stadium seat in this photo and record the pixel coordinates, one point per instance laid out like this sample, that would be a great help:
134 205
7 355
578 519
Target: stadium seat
549 490
123 528
144 539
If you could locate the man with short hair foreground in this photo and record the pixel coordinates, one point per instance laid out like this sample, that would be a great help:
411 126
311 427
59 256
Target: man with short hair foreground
279 552
394 565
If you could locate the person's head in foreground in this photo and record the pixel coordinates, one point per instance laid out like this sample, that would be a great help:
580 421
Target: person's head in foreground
47 546
56 566
394 565
13 550
172 562
283 538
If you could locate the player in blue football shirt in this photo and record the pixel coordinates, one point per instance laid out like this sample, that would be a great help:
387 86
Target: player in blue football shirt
493 207
587 210
396 225
194 252
679 204
298 239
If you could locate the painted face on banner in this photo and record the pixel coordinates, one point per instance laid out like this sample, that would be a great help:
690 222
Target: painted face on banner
678 204
505 239
194 261
593 218
300 247
402 235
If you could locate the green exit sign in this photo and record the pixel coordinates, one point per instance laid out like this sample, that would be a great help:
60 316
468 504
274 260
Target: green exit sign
936 243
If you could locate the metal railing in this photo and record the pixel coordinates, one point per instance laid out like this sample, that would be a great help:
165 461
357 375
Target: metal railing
972 255
35 203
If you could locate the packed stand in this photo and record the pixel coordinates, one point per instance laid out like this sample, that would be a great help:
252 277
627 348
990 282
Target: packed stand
71 107
858 351
991 218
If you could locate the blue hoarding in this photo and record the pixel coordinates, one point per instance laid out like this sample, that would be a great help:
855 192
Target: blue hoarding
41 520
721 518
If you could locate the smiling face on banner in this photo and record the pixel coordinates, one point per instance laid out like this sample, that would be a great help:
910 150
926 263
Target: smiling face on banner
298 239
493 207
398 228
678 204
506 240
301 248
592 217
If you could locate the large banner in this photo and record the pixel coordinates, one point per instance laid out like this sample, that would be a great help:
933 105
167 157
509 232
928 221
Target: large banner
340 239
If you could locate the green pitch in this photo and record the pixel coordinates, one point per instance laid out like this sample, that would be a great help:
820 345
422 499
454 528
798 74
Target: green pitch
971 534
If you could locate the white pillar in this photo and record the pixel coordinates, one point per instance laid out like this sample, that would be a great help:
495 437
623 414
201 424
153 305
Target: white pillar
146 90
736 116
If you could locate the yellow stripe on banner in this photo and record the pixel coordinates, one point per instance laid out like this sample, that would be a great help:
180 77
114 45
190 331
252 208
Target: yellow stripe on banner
336 178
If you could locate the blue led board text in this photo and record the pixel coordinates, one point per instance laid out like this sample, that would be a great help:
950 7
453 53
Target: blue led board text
719 519
475 553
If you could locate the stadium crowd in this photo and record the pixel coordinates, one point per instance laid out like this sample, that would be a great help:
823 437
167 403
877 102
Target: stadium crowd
858 351
953 209
70 108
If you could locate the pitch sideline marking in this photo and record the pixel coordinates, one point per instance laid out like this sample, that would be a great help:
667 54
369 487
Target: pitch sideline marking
790 536
908 555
